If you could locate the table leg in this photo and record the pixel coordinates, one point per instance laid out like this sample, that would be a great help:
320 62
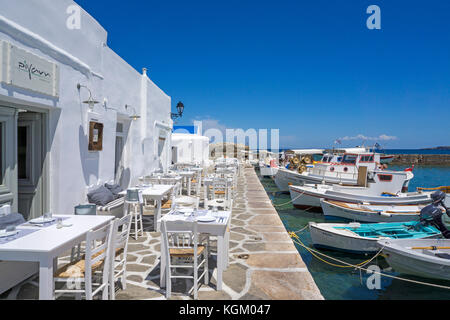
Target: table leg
157 214
162 272
220 260
46 284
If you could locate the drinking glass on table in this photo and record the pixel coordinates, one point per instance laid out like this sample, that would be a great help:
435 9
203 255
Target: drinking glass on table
47 216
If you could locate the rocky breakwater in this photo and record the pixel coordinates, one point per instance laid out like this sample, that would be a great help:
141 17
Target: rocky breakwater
422 159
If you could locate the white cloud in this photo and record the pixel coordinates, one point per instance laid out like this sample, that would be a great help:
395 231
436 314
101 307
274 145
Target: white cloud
382 137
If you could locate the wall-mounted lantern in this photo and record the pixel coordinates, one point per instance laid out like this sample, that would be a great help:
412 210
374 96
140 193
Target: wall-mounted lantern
91 102
134 116
180 109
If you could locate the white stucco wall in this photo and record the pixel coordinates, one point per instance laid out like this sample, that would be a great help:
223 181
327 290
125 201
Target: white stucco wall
191 148
39 26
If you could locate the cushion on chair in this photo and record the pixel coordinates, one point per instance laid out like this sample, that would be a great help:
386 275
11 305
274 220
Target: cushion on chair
77 269
185 252
166 204
100 196
115 189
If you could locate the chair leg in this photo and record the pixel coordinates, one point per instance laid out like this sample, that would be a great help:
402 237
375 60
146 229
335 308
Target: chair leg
135 224
105 291
206 266
112 287
195 279
140 218
168 280
124 276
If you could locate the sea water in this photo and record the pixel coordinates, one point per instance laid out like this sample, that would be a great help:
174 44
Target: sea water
347 283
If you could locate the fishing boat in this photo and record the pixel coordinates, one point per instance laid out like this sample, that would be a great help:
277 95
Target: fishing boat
347 166
428 258
268 163
360 212
362 238
381 189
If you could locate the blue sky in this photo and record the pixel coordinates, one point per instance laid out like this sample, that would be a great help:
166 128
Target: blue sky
309 68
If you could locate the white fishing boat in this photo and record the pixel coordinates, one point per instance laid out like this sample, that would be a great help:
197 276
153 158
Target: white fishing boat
308 196
362 238
268 170
428 258
341 166
360 212
268 163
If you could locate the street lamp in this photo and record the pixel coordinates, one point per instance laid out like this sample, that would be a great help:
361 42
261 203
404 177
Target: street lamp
180 109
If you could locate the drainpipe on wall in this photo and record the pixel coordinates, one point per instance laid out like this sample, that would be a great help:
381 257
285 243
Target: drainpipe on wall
143 111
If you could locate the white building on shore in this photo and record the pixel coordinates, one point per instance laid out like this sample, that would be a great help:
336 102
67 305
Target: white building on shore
52 144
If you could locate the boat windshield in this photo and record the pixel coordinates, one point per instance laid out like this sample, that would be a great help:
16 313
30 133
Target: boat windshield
350 158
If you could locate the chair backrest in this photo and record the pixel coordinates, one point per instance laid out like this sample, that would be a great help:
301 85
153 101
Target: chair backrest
86 210
120 234
179 234
97 252
221 185
132 195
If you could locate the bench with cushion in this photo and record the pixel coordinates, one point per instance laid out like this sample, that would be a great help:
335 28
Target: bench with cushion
106 197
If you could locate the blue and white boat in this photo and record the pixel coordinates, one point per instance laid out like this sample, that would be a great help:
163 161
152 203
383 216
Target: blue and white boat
362 238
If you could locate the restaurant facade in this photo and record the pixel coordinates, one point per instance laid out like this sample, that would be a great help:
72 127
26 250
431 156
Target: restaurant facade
73 114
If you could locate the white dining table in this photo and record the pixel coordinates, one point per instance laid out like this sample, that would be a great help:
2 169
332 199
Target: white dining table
47 243
156 192
215 228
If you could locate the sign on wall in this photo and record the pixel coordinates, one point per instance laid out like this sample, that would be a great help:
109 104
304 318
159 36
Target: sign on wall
28 71
95 136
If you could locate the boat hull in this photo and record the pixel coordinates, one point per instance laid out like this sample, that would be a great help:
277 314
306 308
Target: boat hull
415 262
284 178
322 238
336 212
266 171
304 197
325 237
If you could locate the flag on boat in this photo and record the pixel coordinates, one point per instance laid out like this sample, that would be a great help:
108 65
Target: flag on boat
377 145
410 169
337 141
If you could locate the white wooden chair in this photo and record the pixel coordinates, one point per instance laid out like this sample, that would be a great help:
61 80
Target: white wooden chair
183 251
196 183
91 271
133 200
119 247
183 201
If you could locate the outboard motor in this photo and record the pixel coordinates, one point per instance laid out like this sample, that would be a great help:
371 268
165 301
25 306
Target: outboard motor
432 213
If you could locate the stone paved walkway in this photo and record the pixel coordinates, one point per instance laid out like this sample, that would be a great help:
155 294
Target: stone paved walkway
264 263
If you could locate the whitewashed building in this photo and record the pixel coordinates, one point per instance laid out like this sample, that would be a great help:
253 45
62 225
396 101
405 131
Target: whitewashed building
190 148
53 145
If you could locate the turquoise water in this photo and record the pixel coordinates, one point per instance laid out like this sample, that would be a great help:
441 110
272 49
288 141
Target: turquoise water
346 283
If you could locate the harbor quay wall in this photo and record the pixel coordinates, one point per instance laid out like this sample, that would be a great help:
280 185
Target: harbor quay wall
422 159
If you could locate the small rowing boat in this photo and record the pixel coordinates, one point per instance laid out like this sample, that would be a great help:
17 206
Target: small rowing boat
362 238
361 212
428 258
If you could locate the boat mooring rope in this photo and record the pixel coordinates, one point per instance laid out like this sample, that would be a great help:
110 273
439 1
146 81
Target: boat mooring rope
292 200
360 266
